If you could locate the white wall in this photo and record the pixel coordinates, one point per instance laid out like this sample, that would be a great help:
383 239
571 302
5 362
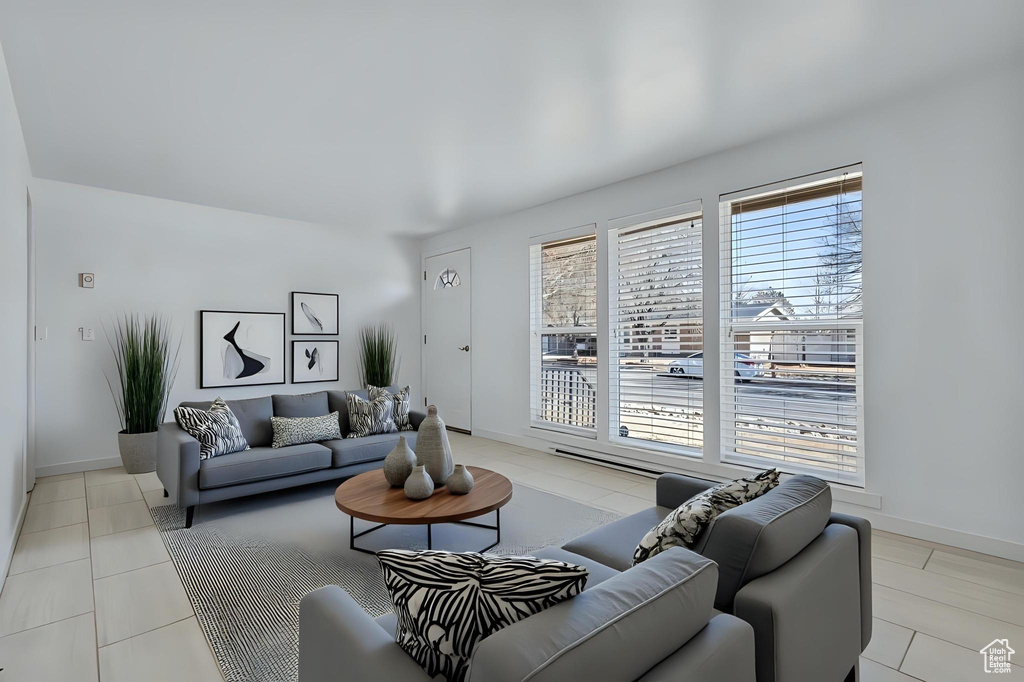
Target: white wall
154 255
14 180
943 249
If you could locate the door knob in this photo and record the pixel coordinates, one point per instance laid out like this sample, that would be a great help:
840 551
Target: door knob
464 348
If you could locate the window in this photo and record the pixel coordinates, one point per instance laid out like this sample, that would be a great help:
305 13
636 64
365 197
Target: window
792 339
448 279
656 388
563 349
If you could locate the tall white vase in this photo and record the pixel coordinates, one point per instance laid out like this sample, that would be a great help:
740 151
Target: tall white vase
432 448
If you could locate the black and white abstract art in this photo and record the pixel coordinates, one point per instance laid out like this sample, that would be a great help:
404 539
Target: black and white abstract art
314 314
314 361
240 348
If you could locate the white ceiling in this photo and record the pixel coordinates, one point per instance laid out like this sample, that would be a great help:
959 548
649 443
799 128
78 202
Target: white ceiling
415 116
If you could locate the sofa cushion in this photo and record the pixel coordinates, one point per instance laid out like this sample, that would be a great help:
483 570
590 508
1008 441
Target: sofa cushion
302 405
258 464
614 631
598 571
370 417
253 416
366 449
613 545
755 538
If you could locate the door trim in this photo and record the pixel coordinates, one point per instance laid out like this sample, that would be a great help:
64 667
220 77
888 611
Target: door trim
29 456
433 253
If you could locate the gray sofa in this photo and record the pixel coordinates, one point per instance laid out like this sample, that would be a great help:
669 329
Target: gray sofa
782 572
787 565
192 481
653 623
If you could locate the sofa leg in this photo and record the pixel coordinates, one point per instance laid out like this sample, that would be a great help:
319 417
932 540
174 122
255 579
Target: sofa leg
189 513
166 494
854 675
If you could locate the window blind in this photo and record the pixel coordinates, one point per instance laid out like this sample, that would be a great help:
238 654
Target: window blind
563 329
656 328
792 326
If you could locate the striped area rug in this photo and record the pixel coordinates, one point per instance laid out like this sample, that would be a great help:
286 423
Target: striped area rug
247 563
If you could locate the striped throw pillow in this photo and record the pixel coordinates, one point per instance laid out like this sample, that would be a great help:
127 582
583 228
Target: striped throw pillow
370 417
401 405
216 429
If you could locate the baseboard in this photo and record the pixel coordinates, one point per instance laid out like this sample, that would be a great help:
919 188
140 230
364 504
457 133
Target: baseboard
1006 549
75 467
14 538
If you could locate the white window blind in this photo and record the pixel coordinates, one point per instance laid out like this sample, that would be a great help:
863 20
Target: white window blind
792 339
656 387
563 329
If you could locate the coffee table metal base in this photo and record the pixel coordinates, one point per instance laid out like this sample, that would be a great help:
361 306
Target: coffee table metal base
353 534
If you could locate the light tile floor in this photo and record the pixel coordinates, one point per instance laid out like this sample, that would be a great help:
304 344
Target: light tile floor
91 579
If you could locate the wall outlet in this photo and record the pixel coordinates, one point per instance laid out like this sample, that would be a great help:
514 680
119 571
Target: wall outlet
86 280
88 333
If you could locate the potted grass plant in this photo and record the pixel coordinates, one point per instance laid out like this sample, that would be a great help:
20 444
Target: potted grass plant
378 356
146 365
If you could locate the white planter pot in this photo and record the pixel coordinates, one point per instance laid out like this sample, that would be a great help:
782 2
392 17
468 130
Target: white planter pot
138 451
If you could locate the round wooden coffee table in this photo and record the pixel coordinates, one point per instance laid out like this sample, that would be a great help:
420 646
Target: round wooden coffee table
368 496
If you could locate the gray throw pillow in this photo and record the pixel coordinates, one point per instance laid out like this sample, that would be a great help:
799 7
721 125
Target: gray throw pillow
299 430
370 417
216 429
684 523
447 602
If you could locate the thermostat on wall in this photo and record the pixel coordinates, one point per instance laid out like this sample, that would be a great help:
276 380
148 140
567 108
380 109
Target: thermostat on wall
86 280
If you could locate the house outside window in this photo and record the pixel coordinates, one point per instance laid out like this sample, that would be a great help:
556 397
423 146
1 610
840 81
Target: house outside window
792 355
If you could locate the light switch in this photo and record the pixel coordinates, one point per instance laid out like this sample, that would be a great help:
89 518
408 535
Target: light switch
88 333
86 280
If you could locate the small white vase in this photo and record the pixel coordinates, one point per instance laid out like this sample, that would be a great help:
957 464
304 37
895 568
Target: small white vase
419 486
399 464
461 481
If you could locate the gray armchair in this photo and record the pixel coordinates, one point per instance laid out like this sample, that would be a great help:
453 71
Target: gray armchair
653 623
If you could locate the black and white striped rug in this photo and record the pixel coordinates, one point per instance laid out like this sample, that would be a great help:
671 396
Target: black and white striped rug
246 563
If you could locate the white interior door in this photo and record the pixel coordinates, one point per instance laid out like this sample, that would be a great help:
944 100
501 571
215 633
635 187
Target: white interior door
446 329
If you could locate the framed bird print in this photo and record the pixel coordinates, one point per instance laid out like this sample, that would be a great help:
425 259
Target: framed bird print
314 361
314 314
240 348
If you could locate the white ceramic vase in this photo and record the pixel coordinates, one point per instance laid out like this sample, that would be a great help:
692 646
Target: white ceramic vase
419 486
399 464
432 448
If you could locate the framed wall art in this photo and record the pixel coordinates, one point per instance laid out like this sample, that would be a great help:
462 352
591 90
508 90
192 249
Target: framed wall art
241 348
314 361
314 314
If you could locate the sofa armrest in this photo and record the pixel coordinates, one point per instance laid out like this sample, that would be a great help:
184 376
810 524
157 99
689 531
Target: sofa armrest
177 464
338 642
416 418
723 650
674 489
863 528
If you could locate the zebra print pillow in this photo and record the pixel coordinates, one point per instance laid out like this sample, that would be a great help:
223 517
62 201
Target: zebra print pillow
446 602
217 430
402 406
299 430
683 524
369 417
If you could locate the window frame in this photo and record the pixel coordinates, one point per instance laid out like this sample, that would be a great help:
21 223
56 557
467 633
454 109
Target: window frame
689 210
727 329
537 331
